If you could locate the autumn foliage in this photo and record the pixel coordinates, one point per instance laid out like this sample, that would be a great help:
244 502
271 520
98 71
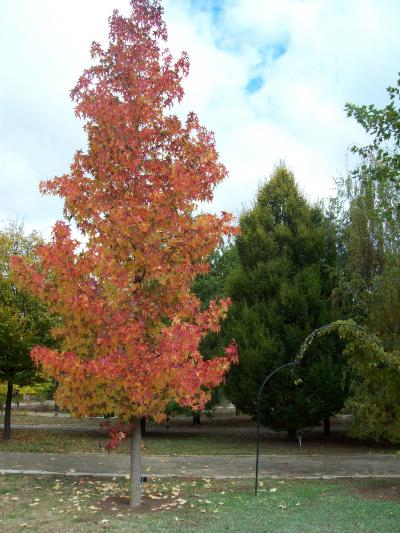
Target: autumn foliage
130 326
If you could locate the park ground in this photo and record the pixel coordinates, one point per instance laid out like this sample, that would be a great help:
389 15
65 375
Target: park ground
50 504
53 503
218 435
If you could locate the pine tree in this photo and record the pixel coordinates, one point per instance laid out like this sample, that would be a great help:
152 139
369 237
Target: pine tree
280 294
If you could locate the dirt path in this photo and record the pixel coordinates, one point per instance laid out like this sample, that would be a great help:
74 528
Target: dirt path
227 466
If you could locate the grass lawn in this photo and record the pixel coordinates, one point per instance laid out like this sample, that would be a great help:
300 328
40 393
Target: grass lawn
24 417
57 441
46 504
232 435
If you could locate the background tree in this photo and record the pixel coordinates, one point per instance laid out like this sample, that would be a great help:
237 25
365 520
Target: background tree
208 287
212 285
366 214
368 223
368 292
280 293
380 158
24 321
374 388
131 325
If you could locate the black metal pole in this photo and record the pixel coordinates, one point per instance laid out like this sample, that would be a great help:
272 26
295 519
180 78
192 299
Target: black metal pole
293 363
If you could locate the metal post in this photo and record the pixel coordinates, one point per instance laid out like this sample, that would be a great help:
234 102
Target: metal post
293 363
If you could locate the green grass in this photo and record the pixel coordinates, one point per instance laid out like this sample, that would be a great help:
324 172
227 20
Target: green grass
28 440
48 418
31 440
46 504
220 435
207 440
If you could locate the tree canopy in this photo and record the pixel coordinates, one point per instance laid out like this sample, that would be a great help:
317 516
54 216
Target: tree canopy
280 293
367 291
382 156
24 321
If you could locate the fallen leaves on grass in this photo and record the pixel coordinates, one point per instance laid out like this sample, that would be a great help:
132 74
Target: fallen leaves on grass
103 501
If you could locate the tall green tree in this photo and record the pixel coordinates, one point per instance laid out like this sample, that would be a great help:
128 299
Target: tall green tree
24 322
367 217
381 157
368 291
281 293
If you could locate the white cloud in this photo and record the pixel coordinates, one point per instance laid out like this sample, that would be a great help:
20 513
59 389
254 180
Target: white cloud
309 56
333 52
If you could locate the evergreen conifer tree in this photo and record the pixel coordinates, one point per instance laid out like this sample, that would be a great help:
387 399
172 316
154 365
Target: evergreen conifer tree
281 293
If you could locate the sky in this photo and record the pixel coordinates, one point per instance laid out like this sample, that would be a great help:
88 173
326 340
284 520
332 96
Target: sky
269 77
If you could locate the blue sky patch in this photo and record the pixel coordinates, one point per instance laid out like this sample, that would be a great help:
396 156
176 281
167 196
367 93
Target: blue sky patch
268 55
272 52
279 50
214 7
254 85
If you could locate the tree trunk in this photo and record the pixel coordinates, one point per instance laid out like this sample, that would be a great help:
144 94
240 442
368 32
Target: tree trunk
143 425
135 486
327 425
56 408
292 432
7 412
196 419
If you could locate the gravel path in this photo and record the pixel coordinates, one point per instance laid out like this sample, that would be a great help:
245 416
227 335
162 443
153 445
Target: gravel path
221 466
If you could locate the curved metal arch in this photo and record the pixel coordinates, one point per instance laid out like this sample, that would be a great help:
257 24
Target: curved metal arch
293 363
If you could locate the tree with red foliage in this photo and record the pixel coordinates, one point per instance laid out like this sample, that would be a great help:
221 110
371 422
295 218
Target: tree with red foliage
130 325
